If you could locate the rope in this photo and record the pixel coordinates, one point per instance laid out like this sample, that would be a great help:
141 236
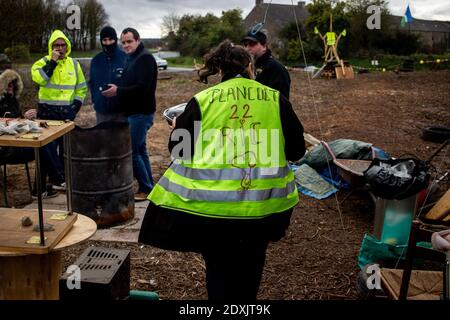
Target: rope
257 27
315 106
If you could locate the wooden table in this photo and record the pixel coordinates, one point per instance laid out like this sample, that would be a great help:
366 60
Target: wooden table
53 132
36 277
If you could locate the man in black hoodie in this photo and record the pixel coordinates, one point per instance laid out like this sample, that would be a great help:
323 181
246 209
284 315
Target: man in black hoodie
269 71
136 95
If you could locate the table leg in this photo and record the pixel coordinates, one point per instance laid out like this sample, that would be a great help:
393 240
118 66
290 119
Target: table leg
68 167
39 195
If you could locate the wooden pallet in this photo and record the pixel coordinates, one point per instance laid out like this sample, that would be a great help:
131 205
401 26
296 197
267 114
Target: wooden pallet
441 211
14 237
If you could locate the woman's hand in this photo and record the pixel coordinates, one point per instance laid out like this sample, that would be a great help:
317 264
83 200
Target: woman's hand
174 123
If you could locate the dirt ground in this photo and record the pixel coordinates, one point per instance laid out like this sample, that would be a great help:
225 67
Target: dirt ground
318 257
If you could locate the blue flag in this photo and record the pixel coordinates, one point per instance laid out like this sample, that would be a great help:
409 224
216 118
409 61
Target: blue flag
407 18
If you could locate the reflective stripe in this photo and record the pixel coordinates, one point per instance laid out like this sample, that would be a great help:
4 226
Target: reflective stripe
55 102
75 64
45 59
226 196
79 99
229 174
43 74
60 87
81 85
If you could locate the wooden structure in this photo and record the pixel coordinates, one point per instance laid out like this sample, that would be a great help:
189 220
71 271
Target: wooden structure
416 284
18 239
441 211
333 65
30 269
51 130
36 277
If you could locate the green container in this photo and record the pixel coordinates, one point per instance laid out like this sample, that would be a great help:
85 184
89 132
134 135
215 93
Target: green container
143 295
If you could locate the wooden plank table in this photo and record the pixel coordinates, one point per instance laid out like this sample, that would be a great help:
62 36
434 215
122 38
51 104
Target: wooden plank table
36 277
55 130
14 236
48 135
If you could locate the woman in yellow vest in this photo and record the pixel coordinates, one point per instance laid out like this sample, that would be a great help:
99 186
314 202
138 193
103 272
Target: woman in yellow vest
229 190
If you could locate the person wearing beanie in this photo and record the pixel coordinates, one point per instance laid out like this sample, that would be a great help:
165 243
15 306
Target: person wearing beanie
137 98
107 67
269 71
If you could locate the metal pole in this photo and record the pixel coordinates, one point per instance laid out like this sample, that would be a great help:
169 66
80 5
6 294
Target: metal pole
68 167
39 195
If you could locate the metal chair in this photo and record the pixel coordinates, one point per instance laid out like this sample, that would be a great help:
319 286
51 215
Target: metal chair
4 162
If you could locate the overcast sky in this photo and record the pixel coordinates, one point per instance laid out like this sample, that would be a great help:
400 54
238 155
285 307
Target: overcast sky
146 15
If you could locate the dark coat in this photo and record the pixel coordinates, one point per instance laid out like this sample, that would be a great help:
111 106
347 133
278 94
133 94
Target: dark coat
137 92
273 74
171 229
9 103
106 69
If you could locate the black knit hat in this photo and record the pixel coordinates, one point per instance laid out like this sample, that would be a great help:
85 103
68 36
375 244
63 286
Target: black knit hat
255 37
108 32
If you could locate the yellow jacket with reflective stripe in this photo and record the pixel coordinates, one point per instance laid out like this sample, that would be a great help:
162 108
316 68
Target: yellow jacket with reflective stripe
239 168
67 82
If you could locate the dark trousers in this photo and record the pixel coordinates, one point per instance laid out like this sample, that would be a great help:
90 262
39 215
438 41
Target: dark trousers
234 269
54 151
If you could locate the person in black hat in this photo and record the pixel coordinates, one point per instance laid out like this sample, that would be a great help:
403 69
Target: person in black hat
107 67
269 71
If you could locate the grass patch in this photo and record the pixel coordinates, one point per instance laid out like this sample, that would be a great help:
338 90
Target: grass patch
183 61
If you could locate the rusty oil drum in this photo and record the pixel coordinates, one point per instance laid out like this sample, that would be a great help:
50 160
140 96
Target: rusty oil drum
102 173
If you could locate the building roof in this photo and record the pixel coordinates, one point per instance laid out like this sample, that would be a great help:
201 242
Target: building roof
422 25
278 14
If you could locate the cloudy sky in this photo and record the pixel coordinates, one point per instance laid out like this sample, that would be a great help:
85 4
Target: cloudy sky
146 15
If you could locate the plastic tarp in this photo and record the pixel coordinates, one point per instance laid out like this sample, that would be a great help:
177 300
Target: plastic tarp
318 157
310 183
375 251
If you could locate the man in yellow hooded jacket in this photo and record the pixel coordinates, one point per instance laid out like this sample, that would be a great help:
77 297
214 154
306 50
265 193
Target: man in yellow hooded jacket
62 90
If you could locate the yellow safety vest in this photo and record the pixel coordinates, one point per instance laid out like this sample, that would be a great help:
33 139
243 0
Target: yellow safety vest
239 169
67 82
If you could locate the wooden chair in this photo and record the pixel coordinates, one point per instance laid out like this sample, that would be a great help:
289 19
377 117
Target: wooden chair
397 282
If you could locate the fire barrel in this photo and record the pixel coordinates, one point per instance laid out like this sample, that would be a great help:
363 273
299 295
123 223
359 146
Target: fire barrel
102 173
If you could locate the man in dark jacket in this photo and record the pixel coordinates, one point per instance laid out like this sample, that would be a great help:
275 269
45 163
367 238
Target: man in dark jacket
136 96
107 67
269 71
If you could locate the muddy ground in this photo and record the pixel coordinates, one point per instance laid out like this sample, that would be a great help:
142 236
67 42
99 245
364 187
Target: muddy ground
318 257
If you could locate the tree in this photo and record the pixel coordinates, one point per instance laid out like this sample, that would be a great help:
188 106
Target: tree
320 11
170 24
365 42
197 34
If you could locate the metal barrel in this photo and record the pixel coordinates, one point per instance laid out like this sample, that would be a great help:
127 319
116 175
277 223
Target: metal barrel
102 173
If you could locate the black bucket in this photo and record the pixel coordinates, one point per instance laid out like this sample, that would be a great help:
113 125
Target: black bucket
102 173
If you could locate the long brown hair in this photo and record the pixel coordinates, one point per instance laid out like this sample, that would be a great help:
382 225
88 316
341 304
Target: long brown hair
226 57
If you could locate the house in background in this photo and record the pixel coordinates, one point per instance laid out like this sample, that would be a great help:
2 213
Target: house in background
278 17
434 35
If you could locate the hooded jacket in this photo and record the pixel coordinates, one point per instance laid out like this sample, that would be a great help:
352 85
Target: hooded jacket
61 83
9 103
105 69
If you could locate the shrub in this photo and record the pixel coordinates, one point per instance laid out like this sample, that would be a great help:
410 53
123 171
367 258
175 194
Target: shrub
18 52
